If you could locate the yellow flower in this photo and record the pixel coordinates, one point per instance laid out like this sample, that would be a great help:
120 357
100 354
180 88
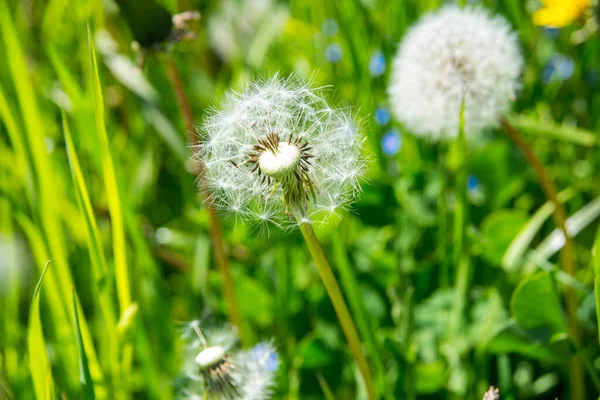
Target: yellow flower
559 13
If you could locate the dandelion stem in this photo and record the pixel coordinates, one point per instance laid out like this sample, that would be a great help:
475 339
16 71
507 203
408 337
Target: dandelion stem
460 256
339 304
566 253
442 233
215 230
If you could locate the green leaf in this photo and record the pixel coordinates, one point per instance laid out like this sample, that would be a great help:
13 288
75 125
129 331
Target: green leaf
512 339
535 305
85 378
499 229
430 377
39 364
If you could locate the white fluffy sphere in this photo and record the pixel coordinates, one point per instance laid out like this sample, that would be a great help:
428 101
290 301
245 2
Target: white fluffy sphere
278 153
449 55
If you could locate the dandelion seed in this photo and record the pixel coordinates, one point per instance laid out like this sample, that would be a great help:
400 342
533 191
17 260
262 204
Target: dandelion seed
278 153
449 55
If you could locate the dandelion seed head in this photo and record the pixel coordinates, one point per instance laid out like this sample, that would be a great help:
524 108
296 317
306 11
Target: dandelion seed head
449 55
219 371
492 394
277 152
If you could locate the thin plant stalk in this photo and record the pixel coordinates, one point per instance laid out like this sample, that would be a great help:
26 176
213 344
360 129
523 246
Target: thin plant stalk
215 230
460 256
566 253
442 215
339 304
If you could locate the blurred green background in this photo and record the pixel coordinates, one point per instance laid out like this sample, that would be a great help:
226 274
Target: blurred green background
105 194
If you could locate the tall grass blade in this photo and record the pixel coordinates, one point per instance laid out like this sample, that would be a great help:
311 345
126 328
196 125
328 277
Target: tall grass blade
85 378
39 364
47 211
110 183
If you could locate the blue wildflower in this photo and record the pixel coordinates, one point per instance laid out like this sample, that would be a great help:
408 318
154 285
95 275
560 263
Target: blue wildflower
391 143
377 63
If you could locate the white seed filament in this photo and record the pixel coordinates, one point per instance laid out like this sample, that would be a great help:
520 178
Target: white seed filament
282 162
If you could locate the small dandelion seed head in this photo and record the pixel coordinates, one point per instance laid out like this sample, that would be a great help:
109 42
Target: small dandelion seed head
449 55
492 394
218 371
277 153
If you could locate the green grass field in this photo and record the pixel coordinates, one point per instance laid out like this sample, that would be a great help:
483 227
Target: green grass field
452 263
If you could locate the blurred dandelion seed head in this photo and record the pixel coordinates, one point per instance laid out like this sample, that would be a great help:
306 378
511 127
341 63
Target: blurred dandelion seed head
236 25
215 368
451 54
492 394
277 151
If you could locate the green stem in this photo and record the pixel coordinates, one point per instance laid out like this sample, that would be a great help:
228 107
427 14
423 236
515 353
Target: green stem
215 230
566 253
460 256
442 228
336 297
352 290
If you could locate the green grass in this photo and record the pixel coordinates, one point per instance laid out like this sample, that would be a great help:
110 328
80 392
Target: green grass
105 247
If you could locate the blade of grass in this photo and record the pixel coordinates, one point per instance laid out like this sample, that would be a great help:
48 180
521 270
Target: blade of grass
327 393
517 248
48 212
596 261
110 183
85 378
14 135
552 130
39 364
114 206
98 261
574 224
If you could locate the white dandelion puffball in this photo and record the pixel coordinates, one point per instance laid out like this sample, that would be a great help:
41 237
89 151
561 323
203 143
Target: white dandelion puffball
278 153
449 55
